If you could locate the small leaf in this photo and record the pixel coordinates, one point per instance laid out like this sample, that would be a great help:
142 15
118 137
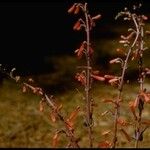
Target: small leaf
122 122
105 112
72 117
72 8
144 17
98 77
53 116
106 132
109 77
41 109
113 80
77 25
96 17
77 9
55 139
105 144
146 97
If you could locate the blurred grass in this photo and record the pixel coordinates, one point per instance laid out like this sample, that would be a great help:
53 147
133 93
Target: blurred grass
22 125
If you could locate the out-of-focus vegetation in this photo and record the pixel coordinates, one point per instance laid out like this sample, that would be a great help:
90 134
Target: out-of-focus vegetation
22 125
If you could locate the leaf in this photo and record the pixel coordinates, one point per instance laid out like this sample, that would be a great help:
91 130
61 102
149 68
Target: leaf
105 144
72 8
55 139
106 132
72 117
125 134
144 17
77 25
53 116
80 51
96 17
98 77
122 122
105 112
41 109
109 76
146 97
76 11
74 114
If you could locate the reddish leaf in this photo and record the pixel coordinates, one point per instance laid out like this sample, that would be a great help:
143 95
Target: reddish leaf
146 97
72 117
72 8
116 60
81 78
41 109
77 10
95 72
53 116
105 144
77 25
106 132
96 17
98 77
104 113
122 122
113 80
55 139
144 17
109 77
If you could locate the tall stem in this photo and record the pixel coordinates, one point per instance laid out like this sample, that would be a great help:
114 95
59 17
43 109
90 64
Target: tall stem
141 80
117 108
87 86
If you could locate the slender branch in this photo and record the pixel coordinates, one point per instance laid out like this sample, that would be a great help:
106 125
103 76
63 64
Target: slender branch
87 87
122 83
141 82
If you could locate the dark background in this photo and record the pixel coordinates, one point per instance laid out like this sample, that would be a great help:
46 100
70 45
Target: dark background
33 30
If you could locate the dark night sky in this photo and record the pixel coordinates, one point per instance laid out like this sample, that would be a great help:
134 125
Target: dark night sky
30 30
